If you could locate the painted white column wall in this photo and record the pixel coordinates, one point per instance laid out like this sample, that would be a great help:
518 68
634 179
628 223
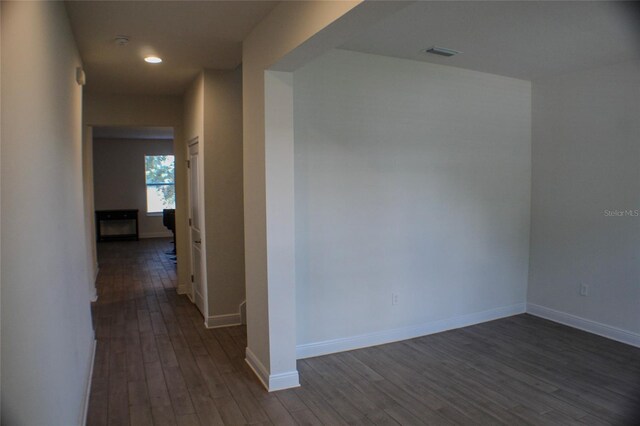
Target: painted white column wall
285 28
280 227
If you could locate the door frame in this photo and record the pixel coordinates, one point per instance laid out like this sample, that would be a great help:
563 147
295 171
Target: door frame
203 262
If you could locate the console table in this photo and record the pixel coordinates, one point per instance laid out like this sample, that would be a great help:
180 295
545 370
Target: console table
125 217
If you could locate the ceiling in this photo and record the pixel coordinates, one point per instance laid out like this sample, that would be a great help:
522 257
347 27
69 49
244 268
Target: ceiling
521 39
187 35
526 40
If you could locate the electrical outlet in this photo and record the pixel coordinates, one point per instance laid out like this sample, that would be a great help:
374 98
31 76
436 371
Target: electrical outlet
394 298
584 289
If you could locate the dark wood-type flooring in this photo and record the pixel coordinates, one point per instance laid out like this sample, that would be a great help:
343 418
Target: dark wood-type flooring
157 364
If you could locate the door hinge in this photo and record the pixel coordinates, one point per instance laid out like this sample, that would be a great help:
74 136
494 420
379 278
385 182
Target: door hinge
189 221
188 164
191 278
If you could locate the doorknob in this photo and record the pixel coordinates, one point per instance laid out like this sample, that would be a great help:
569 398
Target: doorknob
197 241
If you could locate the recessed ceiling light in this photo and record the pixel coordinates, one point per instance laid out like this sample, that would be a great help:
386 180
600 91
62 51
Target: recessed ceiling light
442 51
152 59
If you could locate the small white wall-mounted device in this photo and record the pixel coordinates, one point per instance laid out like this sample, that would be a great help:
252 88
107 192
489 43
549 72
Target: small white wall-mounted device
81 78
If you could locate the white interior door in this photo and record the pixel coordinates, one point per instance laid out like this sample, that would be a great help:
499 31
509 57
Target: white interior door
195 221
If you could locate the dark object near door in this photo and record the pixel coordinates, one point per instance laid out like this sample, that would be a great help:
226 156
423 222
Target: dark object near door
169 220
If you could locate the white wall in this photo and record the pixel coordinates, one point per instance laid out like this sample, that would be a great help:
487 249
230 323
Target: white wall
119 179
193 109
0 220
132 110
410 178
47 338
89 209
213 114
586 160
223 197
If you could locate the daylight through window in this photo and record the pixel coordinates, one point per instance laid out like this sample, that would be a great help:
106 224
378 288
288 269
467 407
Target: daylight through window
161 189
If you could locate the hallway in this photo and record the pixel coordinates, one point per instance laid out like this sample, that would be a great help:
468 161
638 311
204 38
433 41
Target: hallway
156 363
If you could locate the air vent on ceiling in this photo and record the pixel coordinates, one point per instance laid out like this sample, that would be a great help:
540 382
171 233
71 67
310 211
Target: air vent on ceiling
121 40
442 51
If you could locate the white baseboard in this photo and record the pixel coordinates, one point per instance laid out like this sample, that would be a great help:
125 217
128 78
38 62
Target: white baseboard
604 330
282 381
243 312
159 234
272 382
218 321
87 392
257 367
184 289
309 350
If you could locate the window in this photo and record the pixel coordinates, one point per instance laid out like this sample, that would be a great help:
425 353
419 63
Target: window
161 189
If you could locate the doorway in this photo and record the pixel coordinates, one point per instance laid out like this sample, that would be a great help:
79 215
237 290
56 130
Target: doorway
130 185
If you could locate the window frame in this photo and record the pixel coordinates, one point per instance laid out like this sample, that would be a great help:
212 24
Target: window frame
155 184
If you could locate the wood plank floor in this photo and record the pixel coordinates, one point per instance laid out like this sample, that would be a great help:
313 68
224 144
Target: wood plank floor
157 364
